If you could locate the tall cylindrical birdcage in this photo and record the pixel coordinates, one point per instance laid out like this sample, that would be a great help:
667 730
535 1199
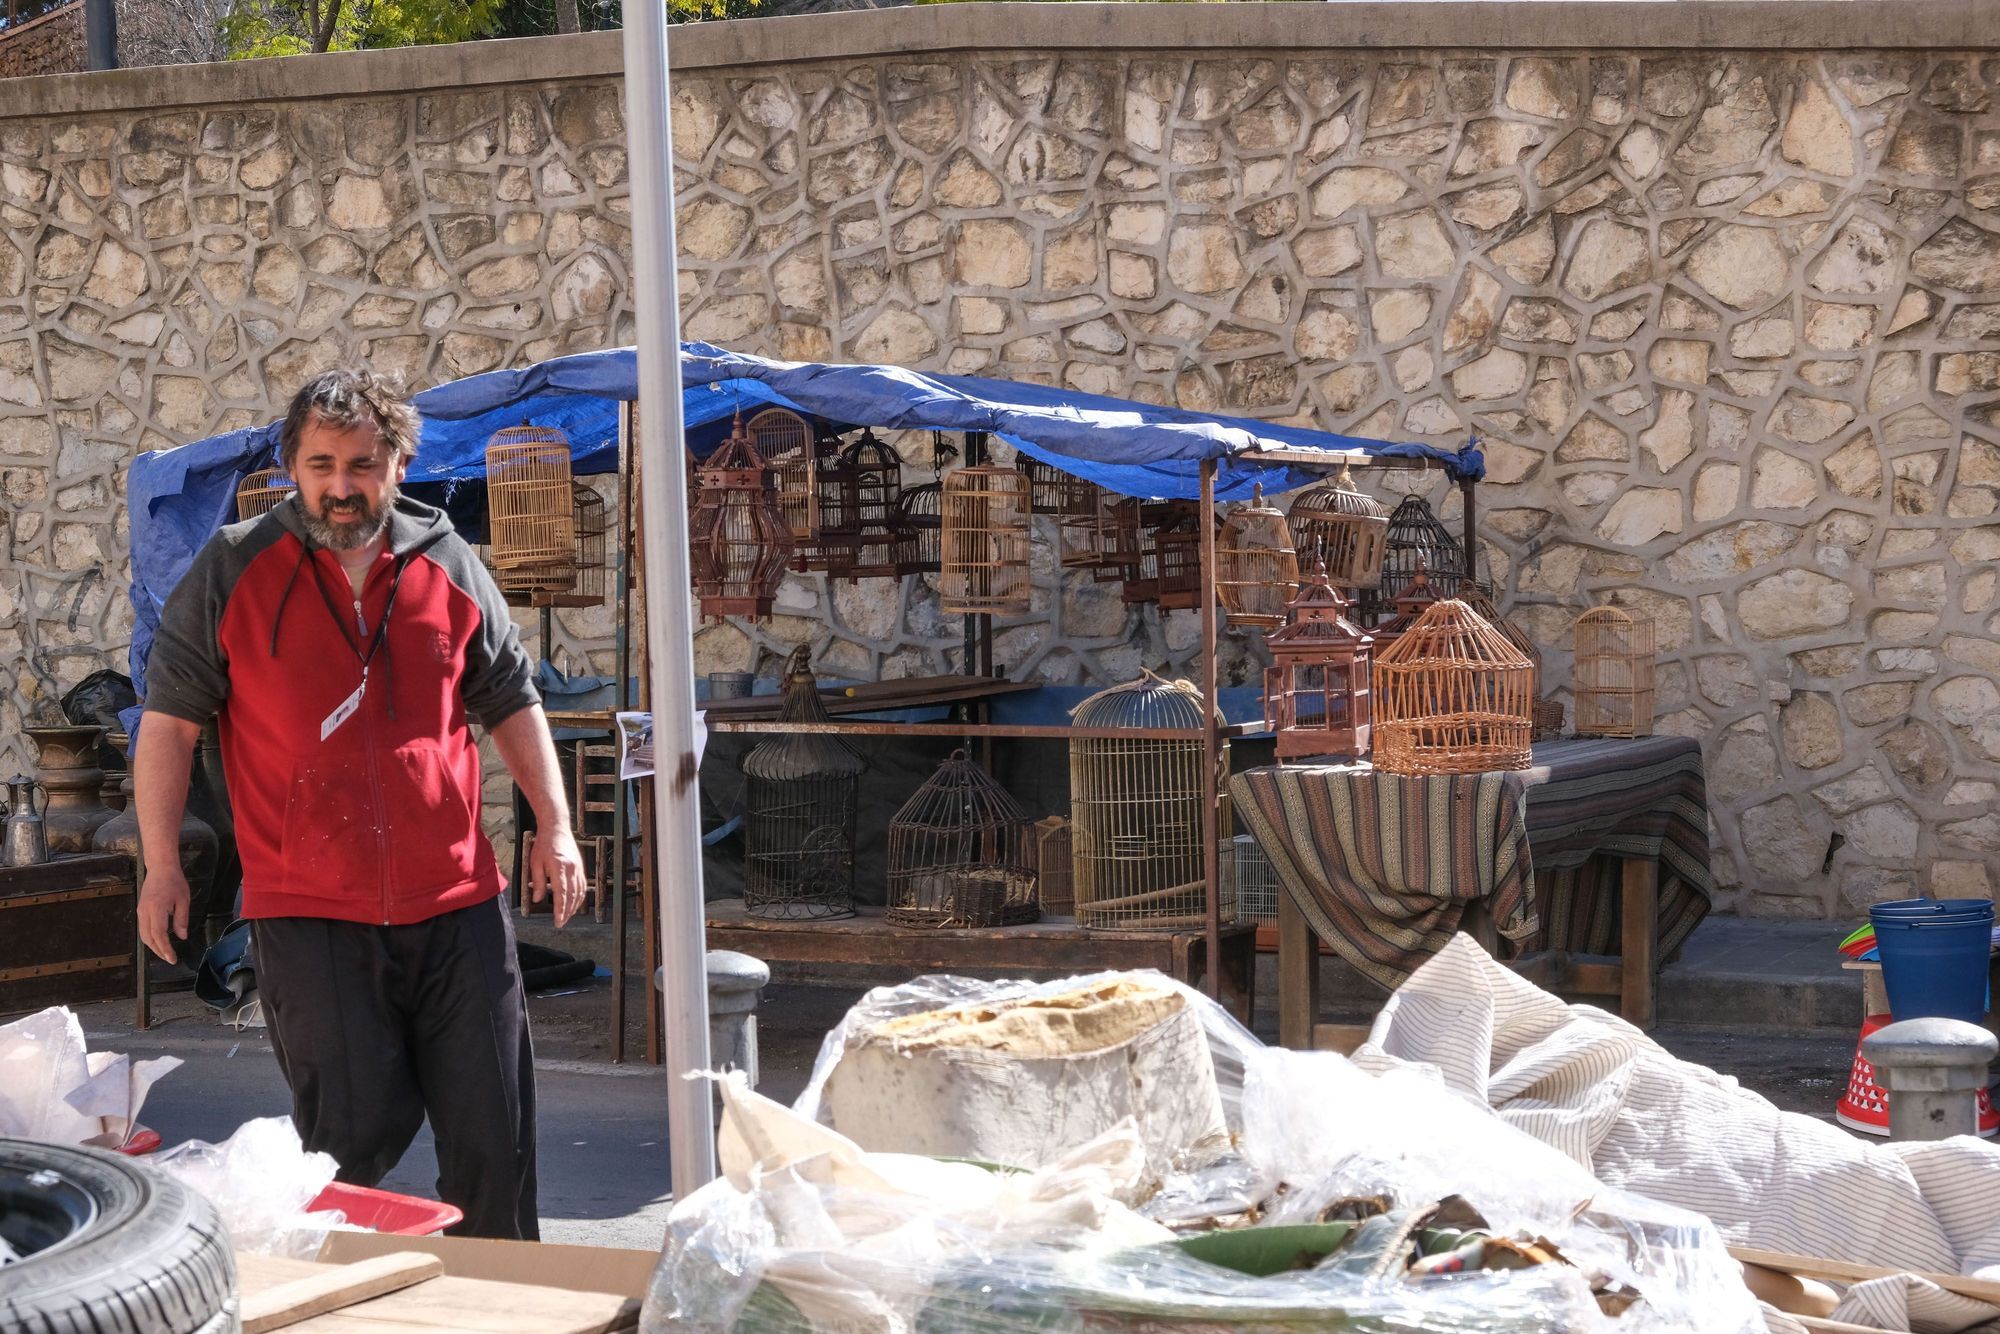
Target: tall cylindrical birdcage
1416 537
738 540
875 473
987 533
1256 567
1452 696
1135 810
1612 676
799 794
1343 526
959 853
261 492
530 510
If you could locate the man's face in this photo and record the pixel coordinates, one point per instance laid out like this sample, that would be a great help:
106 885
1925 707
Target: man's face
347 481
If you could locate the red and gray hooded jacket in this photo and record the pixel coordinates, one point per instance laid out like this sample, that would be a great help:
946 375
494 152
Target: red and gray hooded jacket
353 777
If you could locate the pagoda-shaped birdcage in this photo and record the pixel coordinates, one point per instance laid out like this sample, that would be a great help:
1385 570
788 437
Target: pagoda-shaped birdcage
919 525
261 492
1319 688
1409 605
799 794
1256 568
530 510
875 471
1452 696
1053 491
959 853
986 538
738 540
1135 808
1612 678
1415 537
1343 526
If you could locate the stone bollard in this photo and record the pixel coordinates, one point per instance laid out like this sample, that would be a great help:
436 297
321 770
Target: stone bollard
1933 1070
734 981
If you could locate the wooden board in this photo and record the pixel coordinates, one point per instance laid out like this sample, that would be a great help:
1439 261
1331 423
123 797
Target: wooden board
1847 1271
333 1288
438 1305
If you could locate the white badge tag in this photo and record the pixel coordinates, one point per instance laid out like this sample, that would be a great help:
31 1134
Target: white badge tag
346 709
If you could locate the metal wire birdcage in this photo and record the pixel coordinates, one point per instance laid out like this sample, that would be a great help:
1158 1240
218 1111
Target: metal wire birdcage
1256 880
986 537
1135 808
1051 842
530 510
261 492
1053 491
1612 679
799 796
1319 688
959 853
1415 537
784 440
738 541
875 473
1452 696
591 567
1256 568
1343 526
918 526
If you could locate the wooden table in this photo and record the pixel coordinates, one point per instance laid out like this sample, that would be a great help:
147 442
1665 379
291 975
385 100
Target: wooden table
67 931
430 1306
1053 948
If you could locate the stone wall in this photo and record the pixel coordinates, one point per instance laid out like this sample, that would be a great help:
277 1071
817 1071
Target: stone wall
50 44
1723 320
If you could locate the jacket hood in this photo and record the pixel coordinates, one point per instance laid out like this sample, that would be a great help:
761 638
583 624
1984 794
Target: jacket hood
413 525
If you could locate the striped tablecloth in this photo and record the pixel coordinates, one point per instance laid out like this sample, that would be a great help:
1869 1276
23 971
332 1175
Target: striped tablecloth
1384 867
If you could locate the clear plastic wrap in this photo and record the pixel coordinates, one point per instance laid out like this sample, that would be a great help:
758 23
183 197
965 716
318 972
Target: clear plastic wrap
55 1090
261 1181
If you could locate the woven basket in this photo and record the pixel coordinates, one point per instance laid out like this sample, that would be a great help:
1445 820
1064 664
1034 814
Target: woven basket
1452 696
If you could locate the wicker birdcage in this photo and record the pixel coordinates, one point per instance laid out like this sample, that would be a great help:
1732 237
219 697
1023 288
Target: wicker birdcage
738 540
261 492
799 795
1256 569
1452 696
1548 719
1344 527
1612 680
918 526
1415 537
874 472
784 440
530 510
1256 880
1135 808
986 537
1050 840
1319 688
959 853
1406 609
1053 491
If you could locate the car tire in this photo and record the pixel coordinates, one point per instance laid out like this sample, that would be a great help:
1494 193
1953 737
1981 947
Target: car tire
108 1247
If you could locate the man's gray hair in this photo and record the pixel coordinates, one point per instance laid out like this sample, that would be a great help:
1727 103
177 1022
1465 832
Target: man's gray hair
347 397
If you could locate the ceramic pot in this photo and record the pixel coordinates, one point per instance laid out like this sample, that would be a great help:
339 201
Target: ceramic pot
66 767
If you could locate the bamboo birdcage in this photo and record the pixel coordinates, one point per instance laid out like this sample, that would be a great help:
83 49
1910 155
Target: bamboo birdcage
799 797
1343 526
1120 539
918 526
785 441
738 540
1612 680
959 853
1053 491
1452 696
1051 841
261 492
986 536
1135 809
1256 568
1415 537
530 510
874 471
1319 688
1256 880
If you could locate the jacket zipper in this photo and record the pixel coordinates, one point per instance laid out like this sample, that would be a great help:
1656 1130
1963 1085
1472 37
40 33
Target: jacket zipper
381 810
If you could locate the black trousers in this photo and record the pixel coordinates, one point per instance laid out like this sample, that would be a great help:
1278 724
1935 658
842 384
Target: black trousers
376 1027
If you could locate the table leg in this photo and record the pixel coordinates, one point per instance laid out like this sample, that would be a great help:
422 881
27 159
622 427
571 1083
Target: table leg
143 1010
1639 911
1238 977
1298 975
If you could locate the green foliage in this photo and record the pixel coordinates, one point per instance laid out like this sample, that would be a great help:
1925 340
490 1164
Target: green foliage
290 27
694 11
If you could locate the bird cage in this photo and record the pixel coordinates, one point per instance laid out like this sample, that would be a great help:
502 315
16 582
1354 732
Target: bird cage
1177 558
1050 840
1256 880
959 853
1319 688
261 492
1146 530
874 473
1415 537
1548 719
1053 491
1479 596
918 527
1256 569
1343 526
1612 680
1409 605
1117 543
1135 808
799 794
784 440
589 568
738 540
530 510
1452 696
986 536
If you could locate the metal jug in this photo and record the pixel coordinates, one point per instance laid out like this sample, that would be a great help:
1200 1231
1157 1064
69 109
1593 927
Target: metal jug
27 842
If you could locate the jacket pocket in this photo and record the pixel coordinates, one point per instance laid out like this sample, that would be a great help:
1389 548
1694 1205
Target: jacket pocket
433 831
332 846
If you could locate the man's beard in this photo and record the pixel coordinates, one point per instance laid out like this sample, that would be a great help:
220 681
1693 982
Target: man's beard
349 536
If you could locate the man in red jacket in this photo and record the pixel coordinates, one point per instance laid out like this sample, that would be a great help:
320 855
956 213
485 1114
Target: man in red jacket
343 642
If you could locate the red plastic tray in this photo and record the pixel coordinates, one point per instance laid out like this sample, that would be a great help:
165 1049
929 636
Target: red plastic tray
386 1211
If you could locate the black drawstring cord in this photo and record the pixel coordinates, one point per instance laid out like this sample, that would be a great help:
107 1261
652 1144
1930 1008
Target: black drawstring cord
278 620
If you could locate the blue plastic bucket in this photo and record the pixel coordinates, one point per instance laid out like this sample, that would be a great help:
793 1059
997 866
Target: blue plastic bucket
1934 955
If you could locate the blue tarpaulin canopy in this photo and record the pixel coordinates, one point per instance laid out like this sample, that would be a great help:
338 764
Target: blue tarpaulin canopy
179 497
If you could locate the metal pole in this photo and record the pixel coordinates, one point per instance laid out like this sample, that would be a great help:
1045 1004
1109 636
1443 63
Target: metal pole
100 34
620 820
1469 513
669 617
1211 739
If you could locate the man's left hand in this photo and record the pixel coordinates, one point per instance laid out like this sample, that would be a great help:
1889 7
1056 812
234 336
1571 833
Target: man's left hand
554 863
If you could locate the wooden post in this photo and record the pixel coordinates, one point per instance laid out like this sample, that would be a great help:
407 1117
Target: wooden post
1211 744
1470 516
1638 909
619 825
1298 975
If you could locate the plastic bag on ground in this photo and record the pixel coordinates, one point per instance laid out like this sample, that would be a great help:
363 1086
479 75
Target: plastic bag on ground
261 1181
54 1089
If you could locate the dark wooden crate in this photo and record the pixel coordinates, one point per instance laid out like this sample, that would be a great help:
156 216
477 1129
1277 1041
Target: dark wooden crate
67 932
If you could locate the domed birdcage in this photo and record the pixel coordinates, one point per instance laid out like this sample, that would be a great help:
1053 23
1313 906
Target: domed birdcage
738 542
986 538
1612 677
784 440
261 492
1478 595
1415 537
530 510
1319 688
799 792
1135 809
959 853
874 471
1256 568
1343 526
1452 696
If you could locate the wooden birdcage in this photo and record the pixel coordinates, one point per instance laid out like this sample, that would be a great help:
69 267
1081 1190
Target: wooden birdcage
959 853
1612 680
589 570
1256 569
738 540
1343 526
874 471
261 492
1256 880
784 440
1415 537
835 543
1119 541
1452 696
986 537
918 526
1177 560
1050 840
1148 531
530 510
1319 696
1053 491
1135 808
799 796
1404 612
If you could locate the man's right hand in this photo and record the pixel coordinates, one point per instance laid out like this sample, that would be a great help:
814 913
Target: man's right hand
163 907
